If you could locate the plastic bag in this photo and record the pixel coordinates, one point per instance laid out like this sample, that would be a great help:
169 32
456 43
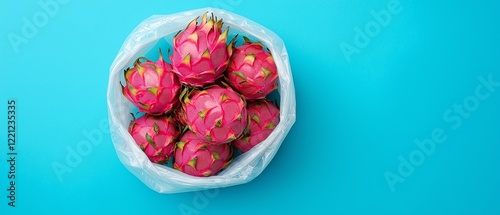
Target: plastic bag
165 179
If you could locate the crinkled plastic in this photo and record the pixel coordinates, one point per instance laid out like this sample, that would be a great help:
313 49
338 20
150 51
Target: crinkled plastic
164 179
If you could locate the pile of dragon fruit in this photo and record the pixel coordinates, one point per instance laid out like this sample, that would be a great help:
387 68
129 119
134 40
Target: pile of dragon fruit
207 103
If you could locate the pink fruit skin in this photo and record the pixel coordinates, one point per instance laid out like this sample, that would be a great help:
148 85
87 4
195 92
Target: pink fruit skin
196 157
200 53
156 136
216 114
252 71
152 87
264 116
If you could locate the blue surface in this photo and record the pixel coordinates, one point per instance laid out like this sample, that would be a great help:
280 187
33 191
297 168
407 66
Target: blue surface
359 110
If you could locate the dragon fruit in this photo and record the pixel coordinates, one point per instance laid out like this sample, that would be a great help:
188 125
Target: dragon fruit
151 86
195 157
216 114
264 117
200 53
155 135
252 70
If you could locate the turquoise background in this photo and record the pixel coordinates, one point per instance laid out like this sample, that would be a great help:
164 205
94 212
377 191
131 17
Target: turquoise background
354 118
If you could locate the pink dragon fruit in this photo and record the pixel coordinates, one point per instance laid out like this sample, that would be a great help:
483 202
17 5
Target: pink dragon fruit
151 86
195 157
252 70
200 53
216 114
156 135
264 116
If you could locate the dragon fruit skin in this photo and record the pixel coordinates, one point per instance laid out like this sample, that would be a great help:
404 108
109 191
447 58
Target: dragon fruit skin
196 157
252 70
156 136
151 86
216 114
264 116
200 54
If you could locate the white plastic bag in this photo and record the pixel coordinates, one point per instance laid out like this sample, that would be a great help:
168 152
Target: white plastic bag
164 179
